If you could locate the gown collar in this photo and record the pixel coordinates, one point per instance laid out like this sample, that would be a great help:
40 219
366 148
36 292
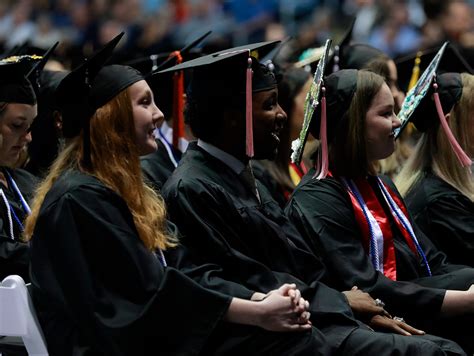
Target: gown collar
234 164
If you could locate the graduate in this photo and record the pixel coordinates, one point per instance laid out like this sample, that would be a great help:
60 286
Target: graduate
228 218
45 131
159 165
100 279
171 134
18 109
357 221
437 181
292 89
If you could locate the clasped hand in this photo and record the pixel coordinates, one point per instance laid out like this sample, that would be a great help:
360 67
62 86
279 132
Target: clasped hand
284 309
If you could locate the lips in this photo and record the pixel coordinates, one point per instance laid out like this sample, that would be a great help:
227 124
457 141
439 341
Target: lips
276 137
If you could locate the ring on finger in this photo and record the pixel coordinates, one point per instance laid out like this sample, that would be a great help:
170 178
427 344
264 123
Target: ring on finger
396 318
379 303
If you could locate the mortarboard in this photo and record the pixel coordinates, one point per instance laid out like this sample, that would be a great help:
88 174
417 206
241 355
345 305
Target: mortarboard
34 73
310 57
311 103
452 61
171 102
14 86
270 59
73 94
230 73
434 94
43 149
358 56
419 91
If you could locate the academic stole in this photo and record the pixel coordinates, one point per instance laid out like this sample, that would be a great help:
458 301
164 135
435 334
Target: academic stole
375 225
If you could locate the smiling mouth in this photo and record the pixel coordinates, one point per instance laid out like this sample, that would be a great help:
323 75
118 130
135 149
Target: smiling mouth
276 137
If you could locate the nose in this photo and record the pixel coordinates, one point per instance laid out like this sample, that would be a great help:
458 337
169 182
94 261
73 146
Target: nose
157 114
281 115
27 137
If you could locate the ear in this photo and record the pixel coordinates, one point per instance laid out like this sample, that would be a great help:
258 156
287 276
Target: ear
447 116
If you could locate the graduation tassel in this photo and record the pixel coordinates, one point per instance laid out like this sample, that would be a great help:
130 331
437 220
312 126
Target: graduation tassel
248 111
415 74
178 102
458 151
324 160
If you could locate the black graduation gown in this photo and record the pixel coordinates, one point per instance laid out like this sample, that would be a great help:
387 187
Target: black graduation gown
157 166
263 176
14 258
98 290
223 223
323 213
445 215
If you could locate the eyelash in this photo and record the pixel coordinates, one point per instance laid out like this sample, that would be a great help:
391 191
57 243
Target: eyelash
17 126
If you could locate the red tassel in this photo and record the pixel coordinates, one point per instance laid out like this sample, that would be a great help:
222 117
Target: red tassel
178 102
248 111
324 160
458 151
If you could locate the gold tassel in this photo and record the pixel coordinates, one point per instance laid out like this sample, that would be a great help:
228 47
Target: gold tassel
415 74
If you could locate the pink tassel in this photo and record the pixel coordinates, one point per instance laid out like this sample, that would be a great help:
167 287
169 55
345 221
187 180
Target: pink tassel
460 154
248 111
324 160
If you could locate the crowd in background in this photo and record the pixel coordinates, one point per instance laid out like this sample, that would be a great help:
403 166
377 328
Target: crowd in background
154 26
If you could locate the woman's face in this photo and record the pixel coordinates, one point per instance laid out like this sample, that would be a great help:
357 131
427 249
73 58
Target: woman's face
380 124
15 122
297 115
146 116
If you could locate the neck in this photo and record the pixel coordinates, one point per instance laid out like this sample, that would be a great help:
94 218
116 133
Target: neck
232 148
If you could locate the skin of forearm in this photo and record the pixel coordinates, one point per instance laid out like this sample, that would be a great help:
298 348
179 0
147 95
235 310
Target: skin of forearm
243 311
457 302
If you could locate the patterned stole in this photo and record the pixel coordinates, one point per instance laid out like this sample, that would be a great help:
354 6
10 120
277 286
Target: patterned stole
375 225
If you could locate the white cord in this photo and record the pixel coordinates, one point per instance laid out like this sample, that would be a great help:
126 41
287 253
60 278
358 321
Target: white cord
5 201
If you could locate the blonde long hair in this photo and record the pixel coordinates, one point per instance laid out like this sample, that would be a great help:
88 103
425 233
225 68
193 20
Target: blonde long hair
433 151
115 162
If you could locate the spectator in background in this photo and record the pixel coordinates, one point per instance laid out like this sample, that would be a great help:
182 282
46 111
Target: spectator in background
251 16
16 26
396 36
46 34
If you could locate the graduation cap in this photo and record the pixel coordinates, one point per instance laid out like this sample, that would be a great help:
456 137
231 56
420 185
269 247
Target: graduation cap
43 149
35 72
418 106
334 60
171 102
410 66
311 103
73 94
270 59
310 57
230 73
14 86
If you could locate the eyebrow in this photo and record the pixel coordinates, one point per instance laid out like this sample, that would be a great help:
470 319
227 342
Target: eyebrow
388 106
